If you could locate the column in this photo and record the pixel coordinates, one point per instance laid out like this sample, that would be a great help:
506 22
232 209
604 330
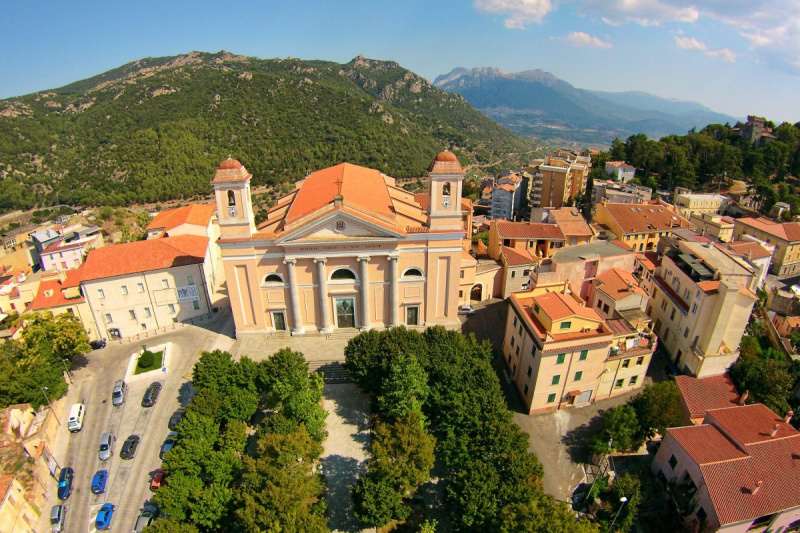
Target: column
324 307
365 318
393 299
297 324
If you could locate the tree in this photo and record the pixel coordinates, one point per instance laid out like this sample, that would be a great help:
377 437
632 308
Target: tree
22 376
471 496
376 502
543 515
629 487
768 380
402 452
657 408
404 389
55 337
482 236
622 426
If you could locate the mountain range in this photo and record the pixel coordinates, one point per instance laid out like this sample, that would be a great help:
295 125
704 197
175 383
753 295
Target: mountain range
155 129
536 103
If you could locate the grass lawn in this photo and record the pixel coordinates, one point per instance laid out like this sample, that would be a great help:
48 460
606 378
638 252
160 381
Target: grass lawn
157 356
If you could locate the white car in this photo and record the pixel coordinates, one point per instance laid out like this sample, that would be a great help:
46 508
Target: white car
466 310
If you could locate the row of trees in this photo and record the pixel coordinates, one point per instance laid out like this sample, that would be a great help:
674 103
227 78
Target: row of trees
702 158
39 359
228 473
492 483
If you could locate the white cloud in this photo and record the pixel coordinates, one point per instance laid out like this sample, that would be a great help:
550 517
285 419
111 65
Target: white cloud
644 12
579 38
690 43
518 13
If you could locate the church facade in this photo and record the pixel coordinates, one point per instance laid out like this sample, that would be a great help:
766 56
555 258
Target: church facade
346 248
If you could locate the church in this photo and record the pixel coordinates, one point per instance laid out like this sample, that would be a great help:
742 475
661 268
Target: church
346 248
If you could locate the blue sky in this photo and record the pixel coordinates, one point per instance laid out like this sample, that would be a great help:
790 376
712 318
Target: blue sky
734 56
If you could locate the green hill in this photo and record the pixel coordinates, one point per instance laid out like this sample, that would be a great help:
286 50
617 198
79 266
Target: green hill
156 129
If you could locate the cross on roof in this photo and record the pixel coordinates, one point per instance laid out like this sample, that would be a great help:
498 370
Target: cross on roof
339 183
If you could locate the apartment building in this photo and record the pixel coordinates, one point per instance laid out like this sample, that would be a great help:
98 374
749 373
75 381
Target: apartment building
736 472
620 171
714 225
520 186
16 514
503 200
700 304
517 267
689 203
146 285
640 227
557 179
539 239
784 236
569 219
560 353
752 255
69 249
620 193
616 292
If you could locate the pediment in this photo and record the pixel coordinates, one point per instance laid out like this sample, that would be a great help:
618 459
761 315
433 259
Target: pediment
339 226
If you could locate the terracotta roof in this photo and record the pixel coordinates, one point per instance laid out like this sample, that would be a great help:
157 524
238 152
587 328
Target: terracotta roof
231 170
418 229
506 187
516 257
50 295
702 395
618 284
708 286
529 230
705 444
362 187
144 256
748 249
571 222
645 218
423 199
621 244
73 277
466 203
788 231
5 484
750 424
620 327
650 260
195 214
558 306
446 163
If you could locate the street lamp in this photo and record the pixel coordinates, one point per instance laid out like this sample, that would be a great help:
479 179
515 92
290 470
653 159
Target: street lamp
69 372
623 500
44 391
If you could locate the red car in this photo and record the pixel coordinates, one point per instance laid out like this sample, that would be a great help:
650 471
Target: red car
159 479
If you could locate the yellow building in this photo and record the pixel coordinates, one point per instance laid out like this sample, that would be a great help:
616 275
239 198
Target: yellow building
16 514
689 203
713 225
60 293
639 226
539 239
785 236
560 353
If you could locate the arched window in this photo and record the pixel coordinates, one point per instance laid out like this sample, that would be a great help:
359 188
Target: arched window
343 274
446 189
273 278
412 273
231 198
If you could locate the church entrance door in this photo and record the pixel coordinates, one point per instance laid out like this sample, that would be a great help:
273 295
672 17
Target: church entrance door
345 313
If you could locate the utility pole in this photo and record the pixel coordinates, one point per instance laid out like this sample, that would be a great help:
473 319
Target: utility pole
49 406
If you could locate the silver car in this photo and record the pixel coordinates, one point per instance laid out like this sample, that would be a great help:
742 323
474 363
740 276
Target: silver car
58 515
146 517
118 393
106 449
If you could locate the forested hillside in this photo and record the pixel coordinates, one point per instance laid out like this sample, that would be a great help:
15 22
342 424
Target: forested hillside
155 129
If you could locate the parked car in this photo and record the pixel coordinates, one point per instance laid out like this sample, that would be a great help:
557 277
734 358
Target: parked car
159 479
148 514
129 447
151 394
466 310
119 392
96 345
104 517
168 444
176 418
106 449
65 483
99 481
58 518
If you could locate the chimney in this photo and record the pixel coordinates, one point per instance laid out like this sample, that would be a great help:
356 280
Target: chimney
774 432
630 285
757 488
338 200
743 398
789 416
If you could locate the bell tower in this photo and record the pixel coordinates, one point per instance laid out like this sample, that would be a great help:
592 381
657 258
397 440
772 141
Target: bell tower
444 193
234 206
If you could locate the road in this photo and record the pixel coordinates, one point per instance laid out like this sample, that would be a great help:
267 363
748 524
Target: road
129 480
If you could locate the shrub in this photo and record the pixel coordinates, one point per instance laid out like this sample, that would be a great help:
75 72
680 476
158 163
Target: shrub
146 359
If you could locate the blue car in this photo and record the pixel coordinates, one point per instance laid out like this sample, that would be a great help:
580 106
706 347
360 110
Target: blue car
99 482
65 483
104 516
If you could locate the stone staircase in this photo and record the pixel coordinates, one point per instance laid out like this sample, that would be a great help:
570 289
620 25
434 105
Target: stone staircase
333 371
343 333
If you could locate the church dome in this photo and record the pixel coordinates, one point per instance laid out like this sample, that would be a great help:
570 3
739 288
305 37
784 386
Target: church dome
230 164
446 156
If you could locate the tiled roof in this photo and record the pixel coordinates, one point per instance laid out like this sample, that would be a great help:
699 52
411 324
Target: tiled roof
702 395
618 284
144 256
559 306
73 277
748 248
516 257
446 163
231 170
751 424
708 286
788 231
571 222
620 327
650 260
194 214
645 218
706 444
50 295
529 230
362 187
